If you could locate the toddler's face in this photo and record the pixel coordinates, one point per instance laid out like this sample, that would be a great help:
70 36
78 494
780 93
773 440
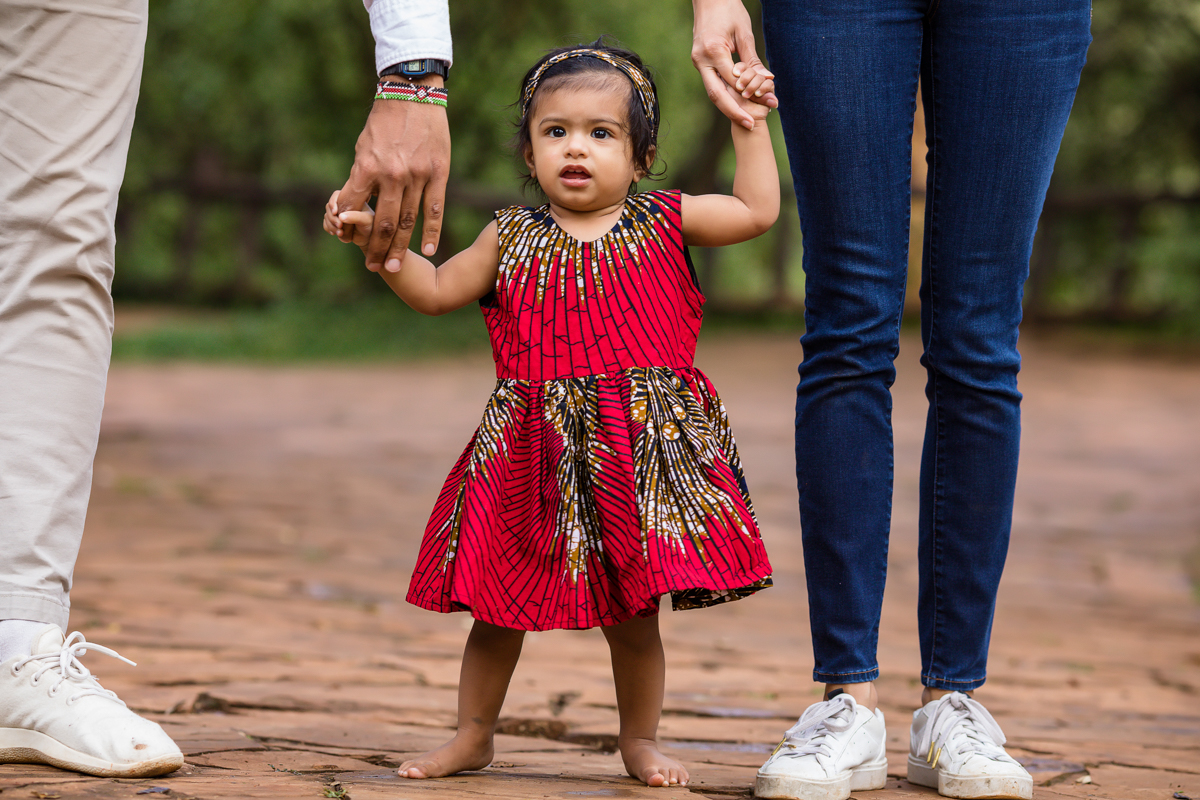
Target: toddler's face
580 150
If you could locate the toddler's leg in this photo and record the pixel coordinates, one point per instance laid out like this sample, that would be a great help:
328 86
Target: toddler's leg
639 671
488 662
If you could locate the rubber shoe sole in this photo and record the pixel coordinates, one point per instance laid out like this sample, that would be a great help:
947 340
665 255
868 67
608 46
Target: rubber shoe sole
970 787
22 746
861 779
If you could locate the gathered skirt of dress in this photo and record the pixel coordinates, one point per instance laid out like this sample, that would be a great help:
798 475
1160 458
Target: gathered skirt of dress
580 501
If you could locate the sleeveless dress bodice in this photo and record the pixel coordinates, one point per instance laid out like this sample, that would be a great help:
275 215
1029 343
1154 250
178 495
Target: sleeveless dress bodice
563 308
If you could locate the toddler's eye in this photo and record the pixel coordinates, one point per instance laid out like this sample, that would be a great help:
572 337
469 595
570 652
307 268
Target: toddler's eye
556 132
601 133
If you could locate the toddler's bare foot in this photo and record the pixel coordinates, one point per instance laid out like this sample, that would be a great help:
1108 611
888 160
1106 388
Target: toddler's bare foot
644 762
457 755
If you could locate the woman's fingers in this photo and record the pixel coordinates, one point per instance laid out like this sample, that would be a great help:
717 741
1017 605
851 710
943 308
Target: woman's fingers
721 28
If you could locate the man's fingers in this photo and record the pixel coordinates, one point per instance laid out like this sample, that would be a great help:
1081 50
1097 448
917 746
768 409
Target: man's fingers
387 213
405 224
351 197
435 205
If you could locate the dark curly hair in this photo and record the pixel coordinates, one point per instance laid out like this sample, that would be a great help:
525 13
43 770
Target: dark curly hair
589 72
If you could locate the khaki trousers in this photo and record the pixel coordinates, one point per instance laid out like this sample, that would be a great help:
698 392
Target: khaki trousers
69 76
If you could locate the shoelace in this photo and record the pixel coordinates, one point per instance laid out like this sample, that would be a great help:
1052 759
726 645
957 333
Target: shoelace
69 668
962 725
808 736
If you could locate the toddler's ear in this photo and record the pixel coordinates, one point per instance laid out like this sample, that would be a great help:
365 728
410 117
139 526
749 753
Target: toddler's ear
643 170
529 161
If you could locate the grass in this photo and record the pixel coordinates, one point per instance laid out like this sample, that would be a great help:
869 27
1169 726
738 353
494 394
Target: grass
371 329
381 328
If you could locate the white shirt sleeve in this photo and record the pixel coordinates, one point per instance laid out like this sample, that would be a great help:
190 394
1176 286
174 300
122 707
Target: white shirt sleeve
406 30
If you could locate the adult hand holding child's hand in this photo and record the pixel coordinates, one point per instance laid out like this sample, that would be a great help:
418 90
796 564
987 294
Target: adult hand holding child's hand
402 156
722 28
352 226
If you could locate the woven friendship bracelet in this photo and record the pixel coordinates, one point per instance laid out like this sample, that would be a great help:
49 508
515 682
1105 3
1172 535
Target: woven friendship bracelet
414 93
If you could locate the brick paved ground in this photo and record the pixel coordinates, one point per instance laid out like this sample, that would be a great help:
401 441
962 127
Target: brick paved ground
252 532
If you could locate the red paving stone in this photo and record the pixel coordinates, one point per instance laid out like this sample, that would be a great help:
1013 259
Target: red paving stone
252 533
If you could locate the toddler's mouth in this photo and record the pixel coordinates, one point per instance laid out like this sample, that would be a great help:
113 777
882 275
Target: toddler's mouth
574 175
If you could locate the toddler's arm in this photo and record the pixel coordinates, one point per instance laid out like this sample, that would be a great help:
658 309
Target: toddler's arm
715 220
464 278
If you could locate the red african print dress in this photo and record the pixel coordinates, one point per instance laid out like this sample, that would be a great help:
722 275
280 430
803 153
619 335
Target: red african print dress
604 473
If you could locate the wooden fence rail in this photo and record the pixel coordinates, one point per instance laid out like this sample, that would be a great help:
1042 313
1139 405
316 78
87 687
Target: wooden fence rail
253 198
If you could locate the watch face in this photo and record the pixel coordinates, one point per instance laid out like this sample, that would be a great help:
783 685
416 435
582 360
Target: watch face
413 66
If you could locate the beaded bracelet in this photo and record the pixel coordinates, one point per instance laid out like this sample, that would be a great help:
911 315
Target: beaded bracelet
388 90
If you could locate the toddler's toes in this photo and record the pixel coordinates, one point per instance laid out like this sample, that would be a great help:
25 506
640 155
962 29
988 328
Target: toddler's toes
414 769
644 762
652 776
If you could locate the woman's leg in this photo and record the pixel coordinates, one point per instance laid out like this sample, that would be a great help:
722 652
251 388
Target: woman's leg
639 672
998 79
846 77
487 667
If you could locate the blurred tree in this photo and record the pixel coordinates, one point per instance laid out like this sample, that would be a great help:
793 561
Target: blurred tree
249 114
248 111
1120 238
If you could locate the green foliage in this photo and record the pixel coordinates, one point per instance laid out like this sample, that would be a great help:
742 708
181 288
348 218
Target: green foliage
1136 121
249 113
275 89
269 96
1134 133
370 329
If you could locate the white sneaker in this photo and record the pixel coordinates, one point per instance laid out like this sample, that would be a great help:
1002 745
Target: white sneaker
54 711
956 749
836 748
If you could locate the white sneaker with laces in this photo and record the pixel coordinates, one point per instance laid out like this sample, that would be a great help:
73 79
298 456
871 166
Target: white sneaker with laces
836 748
54 711
956 748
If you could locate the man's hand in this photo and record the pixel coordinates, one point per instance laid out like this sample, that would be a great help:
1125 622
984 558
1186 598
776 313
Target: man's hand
402 155
722 28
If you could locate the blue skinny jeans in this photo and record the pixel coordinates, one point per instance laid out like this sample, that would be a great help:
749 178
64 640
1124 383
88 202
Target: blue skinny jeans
997 78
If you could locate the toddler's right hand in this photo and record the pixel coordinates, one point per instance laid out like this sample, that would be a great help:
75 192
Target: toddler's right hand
349 226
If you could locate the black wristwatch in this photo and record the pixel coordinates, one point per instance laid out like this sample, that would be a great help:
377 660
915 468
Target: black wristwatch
419 68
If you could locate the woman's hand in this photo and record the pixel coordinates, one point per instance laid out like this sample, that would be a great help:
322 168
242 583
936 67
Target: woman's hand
722 28
349 226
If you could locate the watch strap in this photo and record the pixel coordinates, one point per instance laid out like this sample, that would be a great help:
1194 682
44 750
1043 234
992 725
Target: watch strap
419 67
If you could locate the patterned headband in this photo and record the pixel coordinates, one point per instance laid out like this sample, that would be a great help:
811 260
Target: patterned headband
641 84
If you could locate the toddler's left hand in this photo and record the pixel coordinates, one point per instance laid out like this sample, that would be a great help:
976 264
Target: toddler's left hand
755 89
349 226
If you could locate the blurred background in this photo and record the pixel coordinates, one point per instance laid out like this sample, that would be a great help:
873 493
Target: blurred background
249 113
